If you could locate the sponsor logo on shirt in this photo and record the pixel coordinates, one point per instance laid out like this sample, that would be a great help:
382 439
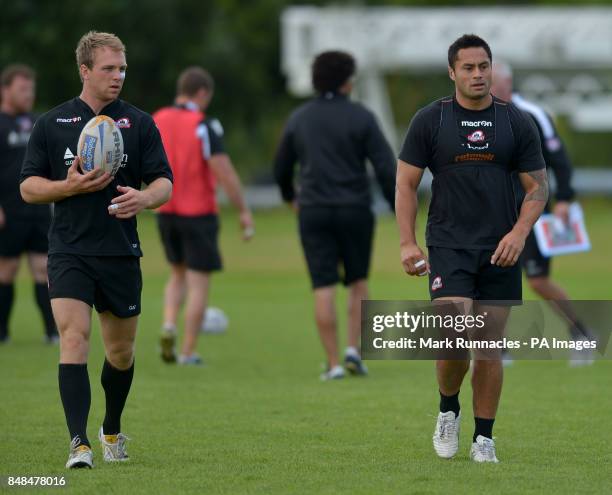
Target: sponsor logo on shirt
437 283
476 123
124 160
475 157
68 157
123 123
476 136
478 148
68 120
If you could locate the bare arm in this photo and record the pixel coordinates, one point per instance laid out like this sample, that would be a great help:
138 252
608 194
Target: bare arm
406 205
133 201
226 174
510 247
158 192
37 190
535 185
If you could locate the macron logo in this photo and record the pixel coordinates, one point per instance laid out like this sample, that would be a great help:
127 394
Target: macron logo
476 123
69 120
68 154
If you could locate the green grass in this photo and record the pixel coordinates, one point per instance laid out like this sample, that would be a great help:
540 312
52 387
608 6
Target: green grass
256 419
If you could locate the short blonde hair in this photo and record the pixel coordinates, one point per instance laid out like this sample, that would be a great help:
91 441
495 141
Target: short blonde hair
92 40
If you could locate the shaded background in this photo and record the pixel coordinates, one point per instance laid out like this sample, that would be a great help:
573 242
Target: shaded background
237 41
256 419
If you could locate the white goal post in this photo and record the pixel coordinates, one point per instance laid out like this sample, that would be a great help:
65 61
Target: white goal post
541 40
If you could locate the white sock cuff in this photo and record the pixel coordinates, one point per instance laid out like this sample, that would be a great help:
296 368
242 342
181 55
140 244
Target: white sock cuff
352 351
169 327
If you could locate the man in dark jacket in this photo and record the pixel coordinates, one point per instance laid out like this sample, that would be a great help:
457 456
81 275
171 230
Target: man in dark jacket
331 137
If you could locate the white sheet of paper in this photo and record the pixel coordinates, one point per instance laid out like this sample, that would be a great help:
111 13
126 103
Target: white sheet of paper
555 238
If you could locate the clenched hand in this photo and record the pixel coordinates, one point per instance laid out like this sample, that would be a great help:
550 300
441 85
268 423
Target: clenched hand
131 202
412 255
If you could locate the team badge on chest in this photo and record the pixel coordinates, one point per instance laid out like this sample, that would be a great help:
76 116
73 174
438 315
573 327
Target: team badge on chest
476 136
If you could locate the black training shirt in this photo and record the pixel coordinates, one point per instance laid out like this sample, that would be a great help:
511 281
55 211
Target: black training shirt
15 133
472 156
332 137
81 223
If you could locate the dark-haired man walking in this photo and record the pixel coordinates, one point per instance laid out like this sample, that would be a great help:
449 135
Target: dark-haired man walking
331 137
472 142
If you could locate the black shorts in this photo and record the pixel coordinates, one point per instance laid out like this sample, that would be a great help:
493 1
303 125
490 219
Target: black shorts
469 273
532 260
108 283
24 236
334 237
192 241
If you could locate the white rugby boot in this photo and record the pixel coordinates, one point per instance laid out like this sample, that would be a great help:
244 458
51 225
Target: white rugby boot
80 455
483 450
582 357
335 373
191 360
113 447
446 434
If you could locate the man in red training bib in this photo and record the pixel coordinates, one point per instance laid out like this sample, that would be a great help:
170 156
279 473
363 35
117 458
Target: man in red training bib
189 223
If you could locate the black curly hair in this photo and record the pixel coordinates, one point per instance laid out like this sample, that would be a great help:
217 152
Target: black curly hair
466 41
331 69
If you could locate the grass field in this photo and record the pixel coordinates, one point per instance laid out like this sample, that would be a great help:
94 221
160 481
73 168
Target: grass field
256 419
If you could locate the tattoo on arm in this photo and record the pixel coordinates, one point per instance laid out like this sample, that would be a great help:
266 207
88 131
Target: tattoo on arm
541 193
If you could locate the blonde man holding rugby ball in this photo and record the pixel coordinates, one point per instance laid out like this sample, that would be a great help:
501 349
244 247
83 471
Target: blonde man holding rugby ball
94 250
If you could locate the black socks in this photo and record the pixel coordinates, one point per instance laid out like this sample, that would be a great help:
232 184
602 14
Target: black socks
116 384
579 331
41 291
6 303
450 403
75 392
483 427
76 398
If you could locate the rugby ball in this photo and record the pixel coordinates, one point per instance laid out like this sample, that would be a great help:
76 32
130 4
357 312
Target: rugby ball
100 145
215 321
